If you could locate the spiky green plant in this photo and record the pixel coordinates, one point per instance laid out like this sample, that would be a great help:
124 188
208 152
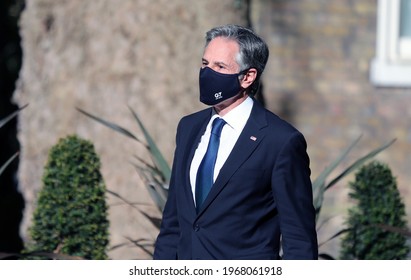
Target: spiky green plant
3 122
321 184
71 213
156 174
378 204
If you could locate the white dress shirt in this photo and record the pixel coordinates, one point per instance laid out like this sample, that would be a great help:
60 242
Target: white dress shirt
235 122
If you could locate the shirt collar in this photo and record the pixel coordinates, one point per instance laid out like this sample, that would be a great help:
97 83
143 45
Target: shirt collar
238 116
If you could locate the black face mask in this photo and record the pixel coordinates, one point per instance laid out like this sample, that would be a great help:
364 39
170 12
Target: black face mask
216 87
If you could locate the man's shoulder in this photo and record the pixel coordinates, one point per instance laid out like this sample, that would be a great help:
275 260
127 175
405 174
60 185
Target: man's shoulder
276 122
280 130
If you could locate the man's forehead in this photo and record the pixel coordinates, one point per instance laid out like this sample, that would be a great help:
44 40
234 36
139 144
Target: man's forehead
221 49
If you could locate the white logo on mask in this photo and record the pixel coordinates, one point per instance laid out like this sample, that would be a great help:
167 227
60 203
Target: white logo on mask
218 95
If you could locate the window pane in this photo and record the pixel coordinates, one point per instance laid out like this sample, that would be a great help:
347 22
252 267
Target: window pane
405 22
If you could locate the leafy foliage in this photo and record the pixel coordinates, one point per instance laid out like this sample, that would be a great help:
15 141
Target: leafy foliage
71 213
156 174
378 204
320 184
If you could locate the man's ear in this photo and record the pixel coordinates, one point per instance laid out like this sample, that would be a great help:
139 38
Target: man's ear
248 78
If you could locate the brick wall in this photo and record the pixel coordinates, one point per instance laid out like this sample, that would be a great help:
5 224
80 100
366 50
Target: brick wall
318 78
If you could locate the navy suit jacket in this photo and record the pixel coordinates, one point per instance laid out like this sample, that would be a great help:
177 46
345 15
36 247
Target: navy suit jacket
260 202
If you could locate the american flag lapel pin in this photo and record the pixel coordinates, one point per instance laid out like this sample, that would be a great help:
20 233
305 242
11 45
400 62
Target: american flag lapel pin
253 138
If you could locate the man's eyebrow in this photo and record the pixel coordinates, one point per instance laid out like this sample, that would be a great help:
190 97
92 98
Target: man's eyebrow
215 62
221 63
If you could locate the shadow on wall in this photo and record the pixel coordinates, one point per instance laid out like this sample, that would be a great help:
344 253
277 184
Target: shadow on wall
11 200
287 107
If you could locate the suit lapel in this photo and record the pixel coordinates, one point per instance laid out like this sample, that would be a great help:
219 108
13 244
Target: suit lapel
249 139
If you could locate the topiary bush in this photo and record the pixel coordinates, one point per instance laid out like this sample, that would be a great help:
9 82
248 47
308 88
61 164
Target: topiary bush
378 206
71 213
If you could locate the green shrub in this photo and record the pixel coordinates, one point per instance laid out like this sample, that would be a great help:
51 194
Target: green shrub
71 213
378 206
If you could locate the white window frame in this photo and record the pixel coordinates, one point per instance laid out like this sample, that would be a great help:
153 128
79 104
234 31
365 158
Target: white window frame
404 43
392 65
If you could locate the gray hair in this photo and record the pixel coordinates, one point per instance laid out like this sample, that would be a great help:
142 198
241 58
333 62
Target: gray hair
253 50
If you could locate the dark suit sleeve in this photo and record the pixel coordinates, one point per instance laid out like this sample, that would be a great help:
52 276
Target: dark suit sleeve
293 194
167 240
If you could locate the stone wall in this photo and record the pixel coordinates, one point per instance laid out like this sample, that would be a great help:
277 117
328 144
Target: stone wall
102 56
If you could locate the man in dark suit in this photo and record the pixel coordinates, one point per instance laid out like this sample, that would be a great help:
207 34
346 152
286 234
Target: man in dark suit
252 197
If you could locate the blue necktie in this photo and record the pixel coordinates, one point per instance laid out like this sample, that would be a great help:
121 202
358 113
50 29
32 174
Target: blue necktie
205 173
